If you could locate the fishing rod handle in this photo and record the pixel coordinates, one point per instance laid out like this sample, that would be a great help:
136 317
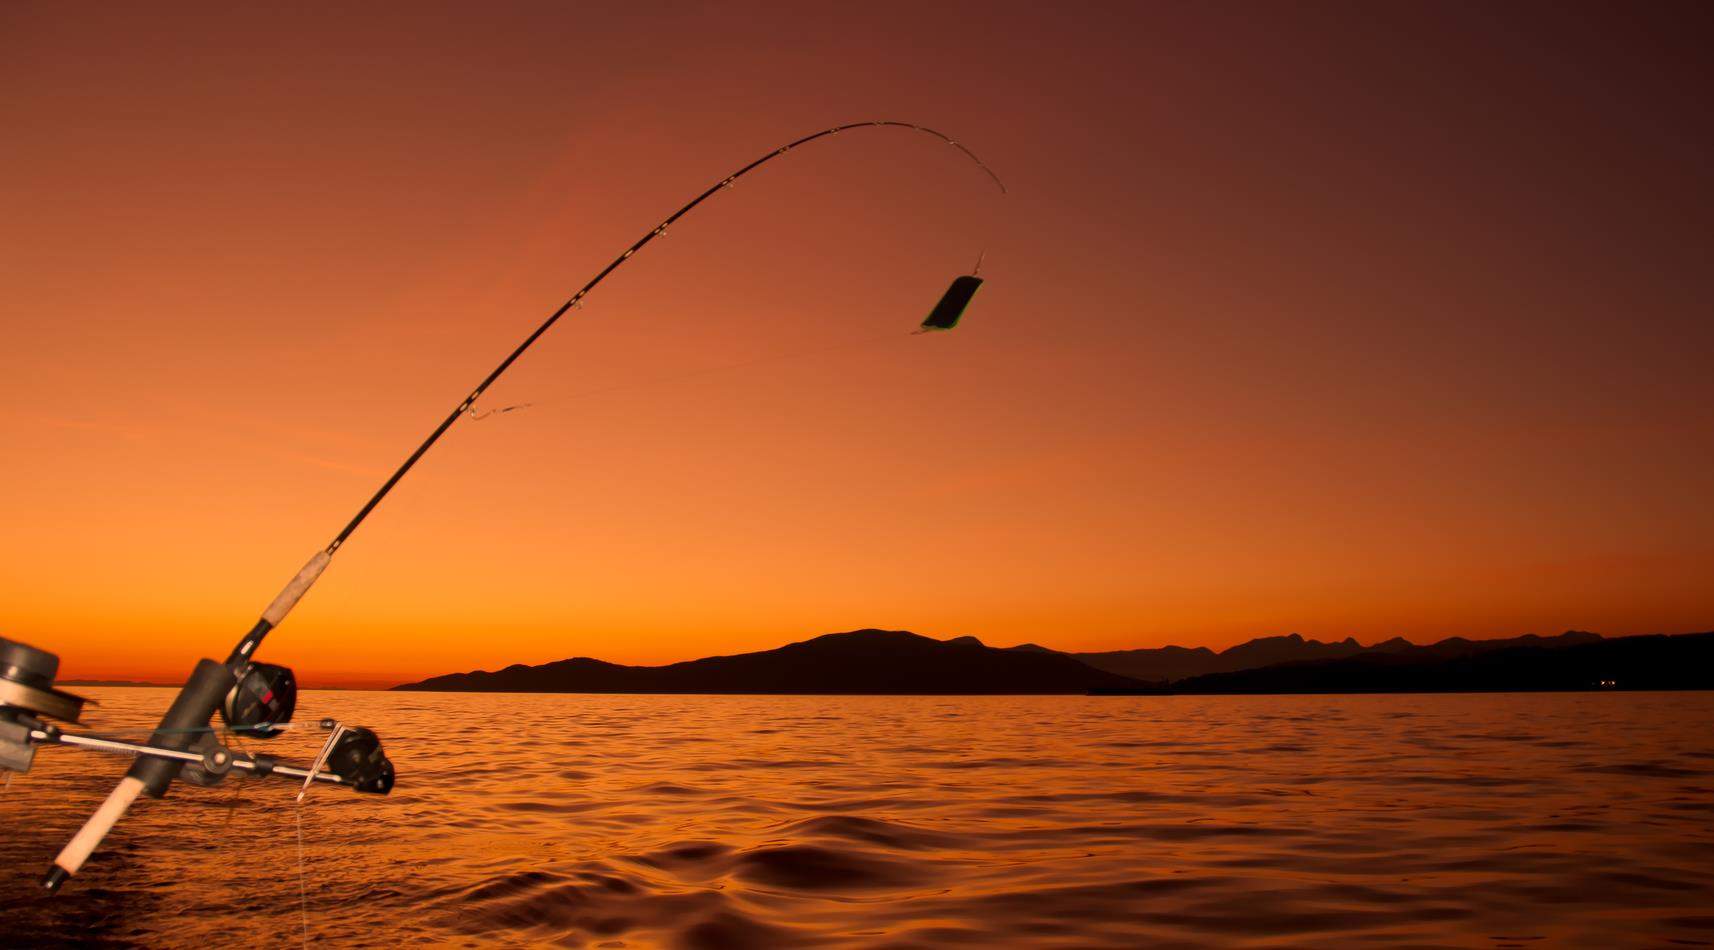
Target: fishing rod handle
78 849
282 604
288 598
191 710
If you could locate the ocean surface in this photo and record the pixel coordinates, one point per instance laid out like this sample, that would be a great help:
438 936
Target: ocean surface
1512 820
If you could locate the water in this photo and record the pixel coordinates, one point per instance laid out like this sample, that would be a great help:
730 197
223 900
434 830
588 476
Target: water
716 821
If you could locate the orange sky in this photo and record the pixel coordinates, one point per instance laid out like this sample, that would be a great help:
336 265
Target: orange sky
1296 321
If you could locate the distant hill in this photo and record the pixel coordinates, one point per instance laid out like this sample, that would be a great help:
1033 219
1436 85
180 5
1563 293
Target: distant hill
1172 664
900 662
1573 661
861 661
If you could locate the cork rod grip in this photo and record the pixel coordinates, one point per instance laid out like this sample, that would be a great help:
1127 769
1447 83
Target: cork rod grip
289 597
78 849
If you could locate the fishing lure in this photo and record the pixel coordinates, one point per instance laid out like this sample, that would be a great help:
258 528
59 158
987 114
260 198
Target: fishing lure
258 699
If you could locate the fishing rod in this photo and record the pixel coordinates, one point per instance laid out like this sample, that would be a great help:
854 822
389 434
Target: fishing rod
259 698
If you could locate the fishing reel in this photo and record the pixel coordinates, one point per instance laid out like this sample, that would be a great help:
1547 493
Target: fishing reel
261 703
27 696
255 699
355 753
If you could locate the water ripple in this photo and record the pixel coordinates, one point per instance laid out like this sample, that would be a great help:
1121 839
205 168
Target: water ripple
729 822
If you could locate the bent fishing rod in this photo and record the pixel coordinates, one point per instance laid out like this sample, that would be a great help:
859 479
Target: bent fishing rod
257 699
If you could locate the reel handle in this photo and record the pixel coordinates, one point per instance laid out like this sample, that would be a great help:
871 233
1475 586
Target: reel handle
88 838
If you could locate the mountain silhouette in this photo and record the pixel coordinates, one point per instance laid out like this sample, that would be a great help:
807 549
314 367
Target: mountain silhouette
1572 661
861 661
901 662
1157 665
1172 664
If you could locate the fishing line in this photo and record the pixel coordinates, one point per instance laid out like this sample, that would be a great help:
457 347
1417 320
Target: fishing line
298 812
479 416
303 892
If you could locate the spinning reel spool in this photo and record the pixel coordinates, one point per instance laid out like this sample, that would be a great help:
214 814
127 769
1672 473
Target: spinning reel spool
262 702
27 695
260 705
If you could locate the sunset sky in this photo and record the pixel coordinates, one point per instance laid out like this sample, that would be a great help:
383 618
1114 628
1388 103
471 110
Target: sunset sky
1331 318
